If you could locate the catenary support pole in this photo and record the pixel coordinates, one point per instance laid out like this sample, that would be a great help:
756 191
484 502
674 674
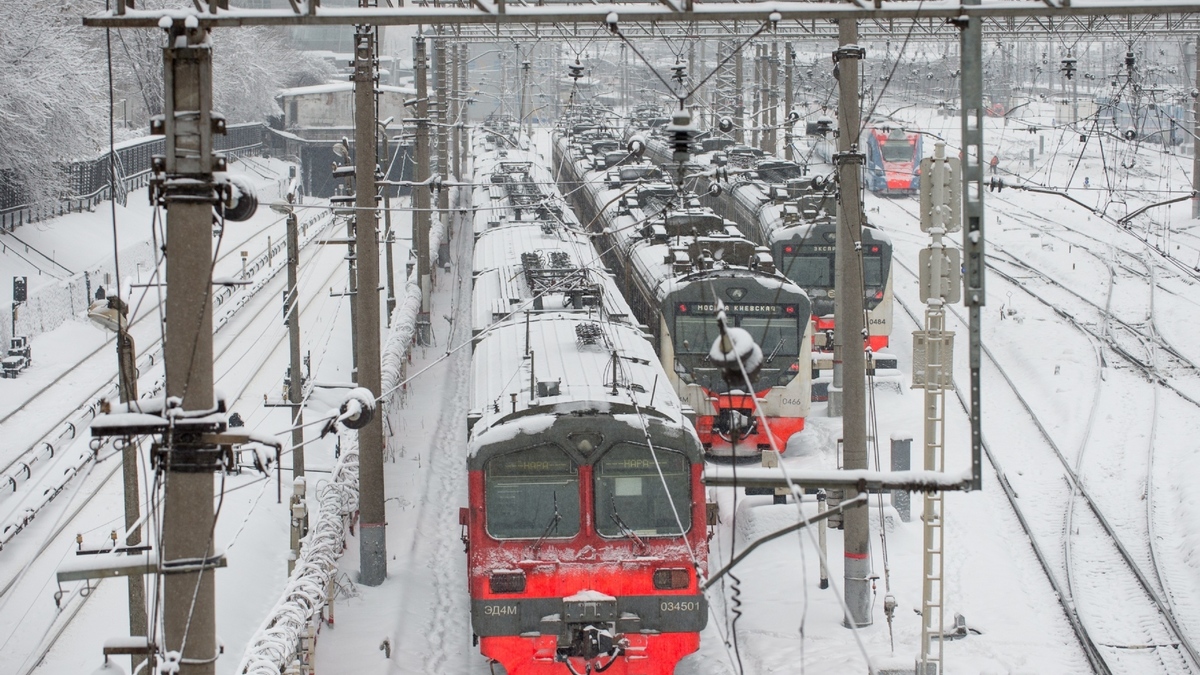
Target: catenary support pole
420 191
295 388
127 379
372 525
1196 135
974 293
189 617
849 322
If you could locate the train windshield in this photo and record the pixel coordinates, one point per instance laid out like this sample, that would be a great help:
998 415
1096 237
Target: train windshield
897 151
532 493
630 498
809 271
775 335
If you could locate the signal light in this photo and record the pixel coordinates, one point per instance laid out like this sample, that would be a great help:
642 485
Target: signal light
671 579
788 249
507 582
790 309
683 308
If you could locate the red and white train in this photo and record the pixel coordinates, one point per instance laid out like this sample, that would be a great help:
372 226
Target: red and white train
586 526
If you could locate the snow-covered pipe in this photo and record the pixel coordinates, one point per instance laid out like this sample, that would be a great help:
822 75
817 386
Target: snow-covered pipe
273 647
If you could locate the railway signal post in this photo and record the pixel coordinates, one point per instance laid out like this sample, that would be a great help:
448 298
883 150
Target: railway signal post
933 358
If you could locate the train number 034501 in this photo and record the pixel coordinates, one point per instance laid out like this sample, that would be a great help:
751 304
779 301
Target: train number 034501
680 606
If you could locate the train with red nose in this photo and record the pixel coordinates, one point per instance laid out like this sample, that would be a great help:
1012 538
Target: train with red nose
678 262
586 526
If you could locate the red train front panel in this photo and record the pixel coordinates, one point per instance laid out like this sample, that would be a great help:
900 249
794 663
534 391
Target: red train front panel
576 561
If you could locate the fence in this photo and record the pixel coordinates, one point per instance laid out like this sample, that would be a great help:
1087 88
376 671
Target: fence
88 180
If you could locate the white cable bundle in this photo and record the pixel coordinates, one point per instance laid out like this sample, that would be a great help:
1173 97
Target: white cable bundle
273 647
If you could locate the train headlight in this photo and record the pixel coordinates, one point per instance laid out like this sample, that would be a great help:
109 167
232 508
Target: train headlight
507 582
671 579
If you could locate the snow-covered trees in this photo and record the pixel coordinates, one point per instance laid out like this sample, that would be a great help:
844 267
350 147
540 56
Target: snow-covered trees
54 87
53 101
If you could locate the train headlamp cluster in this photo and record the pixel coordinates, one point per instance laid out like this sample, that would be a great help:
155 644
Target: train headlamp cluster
671 579
507 582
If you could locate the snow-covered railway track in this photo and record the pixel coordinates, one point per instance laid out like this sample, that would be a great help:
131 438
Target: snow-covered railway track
1105 629
61 465
234 359
43 434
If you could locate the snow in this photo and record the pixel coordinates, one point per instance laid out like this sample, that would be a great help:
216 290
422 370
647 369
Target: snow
1100 411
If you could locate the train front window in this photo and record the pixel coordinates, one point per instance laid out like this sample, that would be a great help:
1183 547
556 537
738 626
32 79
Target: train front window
695 334
777 336
809 271
630 498
897 151
532 493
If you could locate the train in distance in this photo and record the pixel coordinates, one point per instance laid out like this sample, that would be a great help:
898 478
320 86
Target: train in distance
677 261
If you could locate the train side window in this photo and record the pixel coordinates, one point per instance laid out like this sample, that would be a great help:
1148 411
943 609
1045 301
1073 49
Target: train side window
872 271
629 492
532 493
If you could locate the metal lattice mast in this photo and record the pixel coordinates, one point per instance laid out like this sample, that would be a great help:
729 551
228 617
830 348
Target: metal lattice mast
934 349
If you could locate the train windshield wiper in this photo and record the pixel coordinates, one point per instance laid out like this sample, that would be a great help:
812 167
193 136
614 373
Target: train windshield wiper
775 350
625 529
552 526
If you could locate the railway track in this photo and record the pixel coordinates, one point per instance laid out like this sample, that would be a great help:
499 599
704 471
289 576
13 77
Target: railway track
231 353
1142 635
20 468
52 450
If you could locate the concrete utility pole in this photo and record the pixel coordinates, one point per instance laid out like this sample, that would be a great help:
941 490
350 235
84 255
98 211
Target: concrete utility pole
127 383
789 102
420 191
1196 135
849 320
295 388
372 525
187 554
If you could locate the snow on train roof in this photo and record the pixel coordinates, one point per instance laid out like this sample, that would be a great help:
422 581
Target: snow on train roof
517 261
501 168
560 364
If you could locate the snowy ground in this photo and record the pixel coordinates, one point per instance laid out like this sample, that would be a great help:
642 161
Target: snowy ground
1123 428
